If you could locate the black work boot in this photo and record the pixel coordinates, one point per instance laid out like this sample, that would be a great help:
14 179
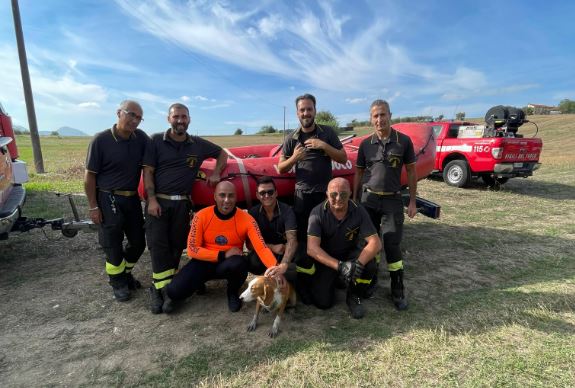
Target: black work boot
120 287
133 283
156 300
234 302
397 290
354 303
168 305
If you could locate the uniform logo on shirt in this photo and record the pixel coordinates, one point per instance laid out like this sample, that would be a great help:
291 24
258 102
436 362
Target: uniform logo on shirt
394 160
192 161
221 240
351 234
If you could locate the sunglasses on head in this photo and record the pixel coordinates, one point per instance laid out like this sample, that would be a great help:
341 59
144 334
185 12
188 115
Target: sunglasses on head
269 192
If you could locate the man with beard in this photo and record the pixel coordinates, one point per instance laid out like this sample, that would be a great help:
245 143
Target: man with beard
310 149
171 163
380 160
113 167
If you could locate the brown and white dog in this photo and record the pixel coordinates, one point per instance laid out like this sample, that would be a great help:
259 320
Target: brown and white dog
270 296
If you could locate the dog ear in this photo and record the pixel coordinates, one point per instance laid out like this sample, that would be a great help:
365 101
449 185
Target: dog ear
268 292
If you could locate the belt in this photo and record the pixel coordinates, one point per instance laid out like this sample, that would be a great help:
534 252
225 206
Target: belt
382 193
123 193
175 197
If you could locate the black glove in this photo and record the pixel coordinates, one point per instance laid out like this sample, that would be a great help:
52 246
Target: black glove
346 269
357 272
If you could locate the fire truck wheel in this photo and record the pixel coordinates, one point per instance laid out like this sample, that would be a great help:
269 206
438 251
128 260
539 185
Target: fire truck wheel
456 173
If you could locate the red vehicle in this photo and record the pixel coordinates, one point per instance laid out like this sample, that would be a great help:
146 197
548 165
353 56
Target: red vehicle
12 175
492 152
247 163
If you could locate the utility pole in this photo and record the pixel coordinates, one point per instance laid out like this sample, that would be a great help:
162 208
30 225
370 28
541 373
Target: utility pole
34 136
284 132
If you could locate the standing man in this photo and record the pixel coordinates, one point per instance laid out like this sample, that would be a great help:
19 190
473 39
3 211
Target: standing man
344 242
380 160
113 168
277 224
310 149
215 249
171 164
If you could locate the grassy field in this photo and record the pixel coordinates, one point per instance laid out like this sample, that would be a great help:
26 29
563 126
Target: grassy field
491 287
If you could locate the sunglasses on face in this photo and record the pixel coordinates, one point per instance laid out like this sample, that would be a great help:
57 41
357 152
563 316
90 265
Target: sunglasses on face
343 195
269 192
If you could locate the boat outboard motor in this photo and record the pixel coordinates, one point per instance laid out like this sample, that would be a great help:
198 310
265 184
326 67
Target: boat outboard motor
505 120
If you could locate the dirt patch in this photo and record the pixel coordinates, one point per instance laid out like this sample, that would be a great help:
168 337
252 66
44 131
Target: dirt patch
61 326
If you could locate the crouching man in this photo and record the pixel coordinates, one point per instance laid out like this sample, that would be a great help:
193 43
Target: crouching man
344 242
215 249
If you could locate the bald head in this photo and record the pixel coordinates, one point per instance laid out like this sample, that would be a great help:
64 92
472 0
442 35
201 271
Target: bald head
338 184
225 197
338 194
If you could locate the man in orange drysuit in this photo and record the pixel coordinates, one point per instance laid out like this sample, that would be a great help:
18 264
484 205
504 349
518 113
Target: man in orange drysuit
215 249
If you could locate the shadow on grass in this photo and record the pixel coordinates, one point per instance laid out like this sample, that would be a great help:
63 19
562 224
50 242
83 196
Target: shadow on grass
541 189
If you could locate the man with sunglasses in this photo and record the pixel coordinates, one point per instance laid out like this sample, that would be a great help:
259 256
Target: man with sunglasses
343 241
215 249
113 168
277 223
171 164
377 183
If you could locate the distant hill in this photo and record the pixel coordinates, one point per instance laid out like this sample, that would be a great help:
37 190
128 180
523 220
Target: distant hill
64 131
68 131
20 128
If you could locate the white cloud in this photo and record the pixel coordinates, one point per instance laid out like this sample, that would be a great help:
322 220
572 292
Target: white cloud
201 98
88 105
357 100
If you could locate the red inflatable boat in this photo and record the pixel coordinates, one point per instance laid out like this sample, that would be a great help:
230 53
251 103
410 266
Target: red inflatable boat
247 163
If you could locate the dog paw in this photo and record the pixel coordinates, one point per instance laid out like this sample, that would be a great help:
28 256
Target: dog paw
273 332
252 326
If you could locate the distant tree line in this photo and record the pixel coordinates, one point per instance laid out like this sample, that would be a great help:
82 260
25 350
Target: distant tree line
327 118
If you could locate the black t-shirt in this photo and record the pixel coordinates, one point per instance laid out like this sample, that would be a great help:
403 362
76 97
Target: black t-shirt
340 239
176 164
274 231
117 162
313 173
383 161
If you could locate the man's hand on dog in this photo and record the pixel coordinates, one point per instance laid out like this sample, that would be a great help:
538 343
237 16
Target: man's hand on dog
277 272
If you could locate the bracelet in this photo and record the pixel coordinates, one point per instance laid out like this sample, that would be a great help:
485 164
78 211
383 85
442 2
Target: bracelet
93 208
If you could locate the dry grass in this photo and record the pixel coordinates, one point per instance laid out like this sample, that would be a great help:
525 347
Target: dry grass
491 287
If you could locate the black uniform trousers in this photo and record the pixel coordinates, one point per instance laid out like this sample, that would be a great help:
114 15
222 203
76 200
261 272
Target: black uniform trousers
167 237
303 204
194 274
121 216
324 282
386 213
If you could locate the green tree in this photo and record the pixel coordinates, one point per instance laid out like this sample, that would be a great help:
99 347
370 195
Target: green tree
325 117
267 129
460 116
567 106
54 133
238 131
528 110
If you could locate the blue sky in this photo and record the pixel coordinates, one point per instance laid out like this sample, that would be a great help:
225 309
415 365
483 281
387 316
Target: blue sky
236 64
